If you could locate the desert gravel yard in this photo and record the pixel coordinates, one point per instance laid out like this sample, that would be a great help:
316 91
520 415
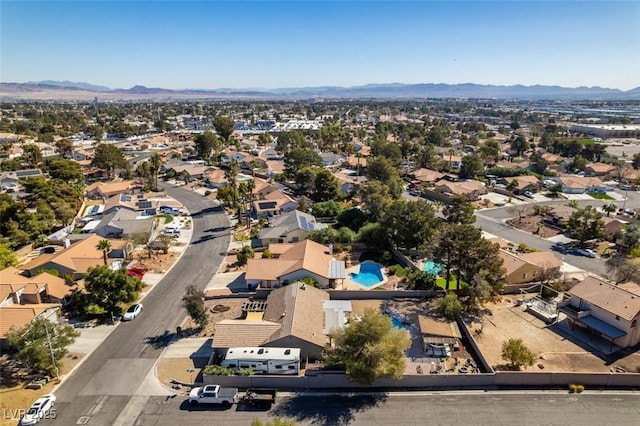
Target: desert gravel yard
555 348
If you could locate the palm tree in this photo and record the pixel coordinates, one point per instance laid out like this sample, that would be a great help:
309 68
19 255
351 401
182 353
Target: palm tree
230 174
104 246
609 208
143 171
155 162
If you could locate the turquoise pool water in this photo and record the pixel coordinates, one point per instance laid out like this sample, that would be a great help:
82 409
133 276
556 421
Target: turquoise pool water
431 267
397 323
369 275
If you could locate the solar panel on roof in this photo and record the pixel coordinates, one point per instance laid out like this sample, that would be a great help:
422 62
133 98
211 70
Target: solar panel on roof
125 197
144 204
267 205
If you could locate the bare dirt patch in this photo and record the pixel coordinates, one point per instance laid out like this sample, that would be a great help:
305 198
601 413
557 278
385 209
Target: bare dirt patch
158 263
555 350
169 369
216 310
14 396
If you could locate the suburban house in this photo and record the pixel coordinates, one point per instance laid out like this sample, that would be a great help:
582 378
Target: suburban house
79 257
598 169
292 262
122 223
530 267
472 189
193 171
581 185
290 227
606 310
427 175
552 158
274 203
216 178
331 160
293 316
454 161
9 180
42 288
522 183
82 155
23 299
104 190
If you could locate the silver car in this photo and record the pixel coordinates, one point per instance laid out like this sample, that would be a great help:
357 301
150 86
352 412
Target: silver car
132 312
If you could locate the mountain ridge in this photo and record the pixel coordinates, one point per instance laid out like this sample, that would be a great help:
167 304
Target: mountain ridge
48 89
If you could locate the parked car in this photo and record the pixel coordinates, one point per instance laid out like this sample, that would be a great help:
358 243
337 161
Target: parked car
174 231
136 272
132 312
213 394
42 408
585 252
560 248
529 194
169 210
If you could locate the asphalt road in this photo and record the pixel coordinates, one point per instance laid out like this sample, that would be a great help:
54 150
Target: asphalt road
106 388
418 408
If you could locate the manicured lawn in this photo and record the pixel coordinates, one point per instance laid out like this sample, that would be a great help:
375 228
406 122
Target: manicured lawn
441 282
167 218
602 197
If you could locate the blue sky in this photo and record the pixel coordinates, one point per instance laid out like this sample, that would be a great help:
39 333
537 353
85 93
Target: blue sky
243 44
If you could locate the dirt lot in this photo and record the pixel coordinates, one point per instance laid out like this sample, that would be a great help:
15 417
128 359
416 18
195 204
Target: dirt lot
14 396
157 264
217 311
555 349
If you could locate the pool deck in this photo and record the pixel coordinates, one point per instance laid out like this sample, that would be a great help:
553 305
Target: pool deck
350 284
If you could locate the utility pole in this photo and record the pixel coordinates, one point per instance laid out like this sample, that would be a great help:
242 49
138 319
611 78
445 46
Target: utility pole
53 357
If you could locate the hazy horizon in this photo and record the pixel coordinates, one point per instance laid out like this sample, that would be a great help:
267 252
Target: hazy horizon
207 45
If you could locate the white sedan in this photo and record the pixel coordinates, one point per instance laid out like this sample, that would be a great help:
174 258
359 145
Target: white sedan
132 312
42 408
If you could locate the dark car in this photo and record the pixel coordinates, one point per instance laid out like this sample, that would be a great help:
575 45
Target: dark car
560 248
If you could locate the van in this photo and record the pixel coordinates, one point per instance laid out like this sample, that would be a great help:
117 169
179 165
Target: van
172 230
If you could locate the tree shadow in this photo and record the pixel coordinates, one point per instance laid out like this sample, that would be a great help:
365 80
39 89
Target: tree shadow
208 210
161 340
327 410
186 406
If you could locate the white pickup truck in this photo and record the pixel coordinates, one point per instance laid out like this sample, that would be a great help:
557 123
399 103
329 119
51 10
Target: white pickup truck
213 394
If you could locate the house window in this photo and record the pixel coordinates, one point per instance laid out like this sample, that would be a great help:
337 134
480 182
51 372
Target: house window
633 323
524 276
617 317
295 239
278 367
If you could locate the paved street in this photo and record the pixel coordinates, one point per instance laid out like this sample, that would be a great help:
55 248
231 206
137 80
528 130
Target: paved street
419 408
114 381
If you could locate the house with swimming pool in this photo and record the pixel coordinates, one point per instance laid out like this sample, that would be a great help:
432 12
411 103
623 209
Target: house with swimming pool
293 262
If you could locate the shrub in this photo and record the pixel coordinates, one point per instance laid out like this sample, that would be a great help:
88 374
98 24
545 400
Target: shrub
207 193
216 370
244 255
309 281
397 270
634 253
246 372
266 254
449 306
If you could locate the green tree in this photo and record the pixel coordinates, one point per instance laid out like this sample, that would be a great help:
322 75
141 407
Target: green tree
375 197
106 290
471 167
104 246
64 147
7 256
586 224
224 126
635 163
305 180
609 208
369 348
66 170
204 144
326 186
245 254
264 139
287 141
299 158
109 158
39 351
449 306
329 208
517 354
381 169
155 162
193 303
373 235
459 210
31 155
409 224
519 144
143 172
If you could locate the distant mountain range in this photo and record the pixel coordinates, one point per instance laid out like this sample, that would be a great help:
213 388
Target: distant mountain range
68 90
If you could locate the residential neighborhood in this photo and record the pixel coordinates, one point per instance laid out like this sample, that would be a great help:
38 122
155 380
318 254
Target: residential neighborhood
275 241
